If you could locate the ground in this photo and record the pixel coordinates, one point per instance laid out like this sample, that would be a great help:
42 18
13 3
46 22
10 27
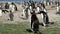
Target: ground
20 26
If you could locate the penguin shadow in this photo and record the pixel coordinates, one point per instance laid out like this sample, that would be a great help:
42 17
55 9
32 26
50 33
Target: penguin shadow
23 18
58 13
53 6
38 33
41 24
46 23
33 32
28 30
51 23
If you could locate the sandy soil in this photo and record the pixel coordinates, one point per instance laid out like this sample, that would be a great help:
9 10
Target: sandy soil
53 17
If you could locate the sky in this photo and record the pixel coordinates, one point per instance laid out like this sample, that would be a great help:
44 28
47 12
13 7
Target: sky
25 0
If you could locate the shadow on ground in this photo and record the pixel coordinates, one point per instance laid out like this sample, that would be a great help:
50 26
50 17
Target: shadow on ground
47 23
58 13
32 32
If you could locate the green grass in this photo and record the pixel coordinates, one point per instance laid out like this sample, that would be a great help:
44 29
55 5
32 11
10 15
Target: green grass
21 29
51 31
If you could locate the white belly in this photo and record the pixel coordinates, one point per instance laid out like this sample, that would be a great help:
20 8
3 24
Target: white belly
42 15
24 12
45 10
0 12
38 9
57 8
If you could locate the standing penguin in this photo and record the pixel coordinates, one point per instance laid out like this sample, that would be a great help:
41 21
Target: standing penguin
34 22
44 17
15 7
12 7
6 6
11 16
